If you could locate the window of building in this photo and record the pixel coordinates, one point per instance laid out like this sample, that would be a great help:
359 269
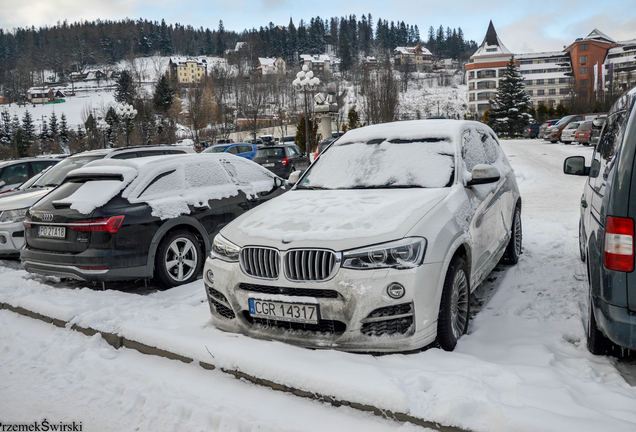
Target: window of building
525 62
564 91
491 49
583 71
551 102
528 82
583 47
539 82
552 91
529 92
583 59
540 92
551 81
564 80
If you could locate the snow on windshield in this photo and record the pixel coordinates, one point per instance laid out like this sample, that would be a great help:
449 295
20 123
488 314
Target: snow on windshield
419 162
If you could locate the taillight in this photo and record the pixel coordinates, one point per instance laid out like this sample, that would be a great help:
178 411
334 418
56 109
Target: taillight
619 244
285 162
110 225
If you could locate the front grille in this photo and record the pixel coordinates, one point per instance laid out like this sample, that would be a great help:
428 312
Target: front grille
220 303
389 327
310 264
260 262
299 292
389 320
326 327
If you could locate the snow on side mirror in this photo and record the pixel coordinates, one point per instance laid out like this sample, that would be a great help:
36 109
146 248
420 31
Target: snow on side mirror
483 174
293 177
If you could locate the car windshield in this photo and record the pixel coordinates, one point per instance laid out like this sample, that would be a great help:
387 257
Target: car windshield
379 163
56 174
270 152
215 149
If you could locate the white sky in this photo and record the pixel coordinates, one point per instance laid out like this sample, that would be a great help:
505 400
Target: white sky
536 26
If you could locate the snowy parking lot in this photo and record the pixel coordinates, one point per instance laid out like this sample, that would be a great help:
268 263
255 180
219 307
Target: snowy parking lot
523 366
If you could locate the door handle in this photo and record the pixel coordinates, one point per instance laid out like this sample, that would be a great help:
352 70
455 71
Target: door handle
583 203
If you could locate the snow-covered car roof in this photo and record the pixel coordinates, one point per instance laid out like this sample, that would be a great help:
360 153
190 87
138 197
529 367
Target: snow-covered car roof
168 184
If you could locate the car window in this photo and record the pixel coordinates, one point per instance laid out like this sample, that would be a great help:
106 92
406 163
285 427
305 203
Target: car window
270 152
56 174
245 149
41 165
243 172
148 153
233 150
605 151
13 174
129 155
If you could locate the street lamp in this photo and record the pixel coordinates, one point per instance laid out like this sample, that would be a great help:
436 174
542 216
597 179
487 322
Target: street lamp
126 113
305 80
103 127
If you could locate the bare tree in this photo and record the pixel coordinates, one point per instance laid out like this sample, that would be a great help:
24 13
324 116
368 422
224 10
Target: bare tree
380 95
252 103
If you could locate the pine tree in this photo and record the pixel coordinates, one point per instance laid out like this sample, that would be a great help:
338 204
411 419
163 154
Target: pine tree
54 128
27 136
125 90
509 110
220 40
64 135
163 95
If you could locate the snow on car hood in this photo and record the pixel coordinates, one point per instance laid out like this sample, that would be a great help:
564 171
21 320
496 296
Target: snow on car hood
22 199
315 217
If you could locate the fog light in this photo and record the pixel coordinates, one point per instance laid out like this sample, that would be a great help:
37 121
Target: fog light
3 239
395 290
210 276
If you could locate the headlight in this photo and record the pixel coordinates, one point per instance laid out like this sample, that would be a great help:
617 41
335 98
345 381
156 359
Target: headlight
224 249
13 215
400 254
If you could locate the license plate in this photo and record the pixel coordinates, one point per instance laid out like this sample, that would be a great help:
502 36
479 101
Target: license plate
51 231
281 311
268 165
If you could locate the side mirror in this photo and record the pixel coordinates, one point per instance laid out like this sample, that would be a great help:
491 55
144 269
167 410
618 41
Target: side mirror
483 174
293 177
575 165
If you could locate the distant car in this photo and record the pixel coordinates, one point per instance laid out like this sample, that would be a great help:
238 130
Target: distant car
282 160
583 133
378 246
288 139
150 217
597 126
248 151
544 126
15 172
13 205
257 141
224 141
607 236
532 130
568 132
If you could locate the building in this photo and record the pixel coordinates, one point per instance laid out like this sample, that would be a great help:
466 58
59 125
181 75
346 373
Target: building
271 66
619 68
484 70
318 63
547 77
189 70
417 58
41 95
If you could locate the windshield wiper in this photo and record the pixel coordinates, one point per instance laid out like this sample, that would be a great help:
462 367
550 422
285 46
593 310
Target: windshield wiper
312 187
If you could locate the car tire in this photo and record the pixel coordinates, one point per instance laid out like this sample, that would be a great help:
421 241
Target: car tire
454 309
597 342
515 244
179 259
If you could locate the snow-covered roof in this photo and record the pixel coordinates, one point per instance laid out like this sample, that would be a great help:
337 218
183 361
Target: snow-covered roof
541 55
492 45
266 61
183 60
405 50
315 58
596 34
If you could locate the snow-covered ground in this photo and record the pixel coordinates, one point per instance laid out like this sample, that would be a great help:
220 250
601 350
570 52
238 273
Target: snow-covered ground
523 366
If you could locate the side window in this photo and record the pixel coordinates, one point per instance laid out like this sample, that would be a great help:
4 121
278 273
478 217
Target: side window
479 147
233 150
606 150
41 165
130 155
147 153
15 174
244 172
245 149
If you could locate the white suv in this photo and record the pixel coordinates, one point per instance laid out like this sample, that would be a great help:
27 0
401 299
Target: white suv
378 246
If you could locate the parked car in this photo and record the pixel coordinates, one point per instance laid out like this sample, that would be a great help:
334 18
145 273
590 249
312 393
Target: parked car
568 132
248 151
606 230
224 141
553 133
13 205
152 217
288 139
597 126
15 172
257 141
544 126
267 139
583 132
282 160
378 246
532 130
322 145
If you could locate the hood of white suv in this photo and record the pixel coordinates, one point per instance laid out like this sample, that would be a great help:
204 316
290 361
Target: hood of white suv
334 219
22 199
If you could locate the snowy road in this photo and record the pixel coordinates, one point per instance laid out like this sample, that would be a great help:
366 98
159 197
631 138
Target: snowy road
522 367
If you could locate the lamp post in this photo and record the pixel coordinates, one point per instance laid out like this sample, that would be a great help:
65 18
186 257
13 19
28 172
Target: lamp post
305 80
126 113
103 127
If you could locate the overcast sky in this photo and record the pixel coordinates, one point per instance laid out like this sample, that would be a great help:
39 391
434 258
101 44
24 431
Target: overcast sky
523 26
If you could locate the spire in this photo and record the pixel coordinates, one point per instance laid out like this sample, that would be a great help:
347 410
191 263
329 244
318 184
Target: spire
492 44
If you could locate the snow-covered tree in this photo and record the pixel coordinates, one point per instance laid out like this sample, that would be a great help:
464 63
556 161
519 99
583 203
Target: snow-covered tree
28 134
509 110
64 132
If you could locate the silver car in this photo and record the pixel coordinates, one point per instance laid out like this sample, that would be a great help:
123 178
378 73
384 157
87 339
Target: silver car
378 246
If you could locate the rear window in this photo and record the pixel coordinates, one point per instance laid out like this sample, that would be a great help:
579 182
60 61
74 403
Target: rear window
56 174
585 127
270 152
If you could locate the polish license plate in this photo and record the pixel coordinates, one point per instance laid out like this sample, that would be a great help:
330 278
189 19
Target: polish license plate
269 165
282 311
51 231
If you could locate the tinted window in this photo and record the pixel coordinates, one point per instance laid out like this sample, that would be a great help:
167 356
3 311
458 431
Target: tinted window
56 174
245 149
219 149
147 153
233 150
13 174
41 165
270 152
129 155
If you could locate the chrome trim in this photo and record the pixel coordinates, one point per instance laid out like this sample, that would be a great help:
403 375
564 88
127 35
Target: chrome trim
311 264
260 262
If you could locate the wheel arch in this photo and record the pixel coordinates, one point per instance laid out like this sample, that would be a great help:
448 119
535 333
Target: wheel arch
172 225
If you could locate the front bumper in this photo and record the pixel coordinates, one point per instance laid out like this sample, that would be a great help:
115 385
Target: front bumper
356 314
11 238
